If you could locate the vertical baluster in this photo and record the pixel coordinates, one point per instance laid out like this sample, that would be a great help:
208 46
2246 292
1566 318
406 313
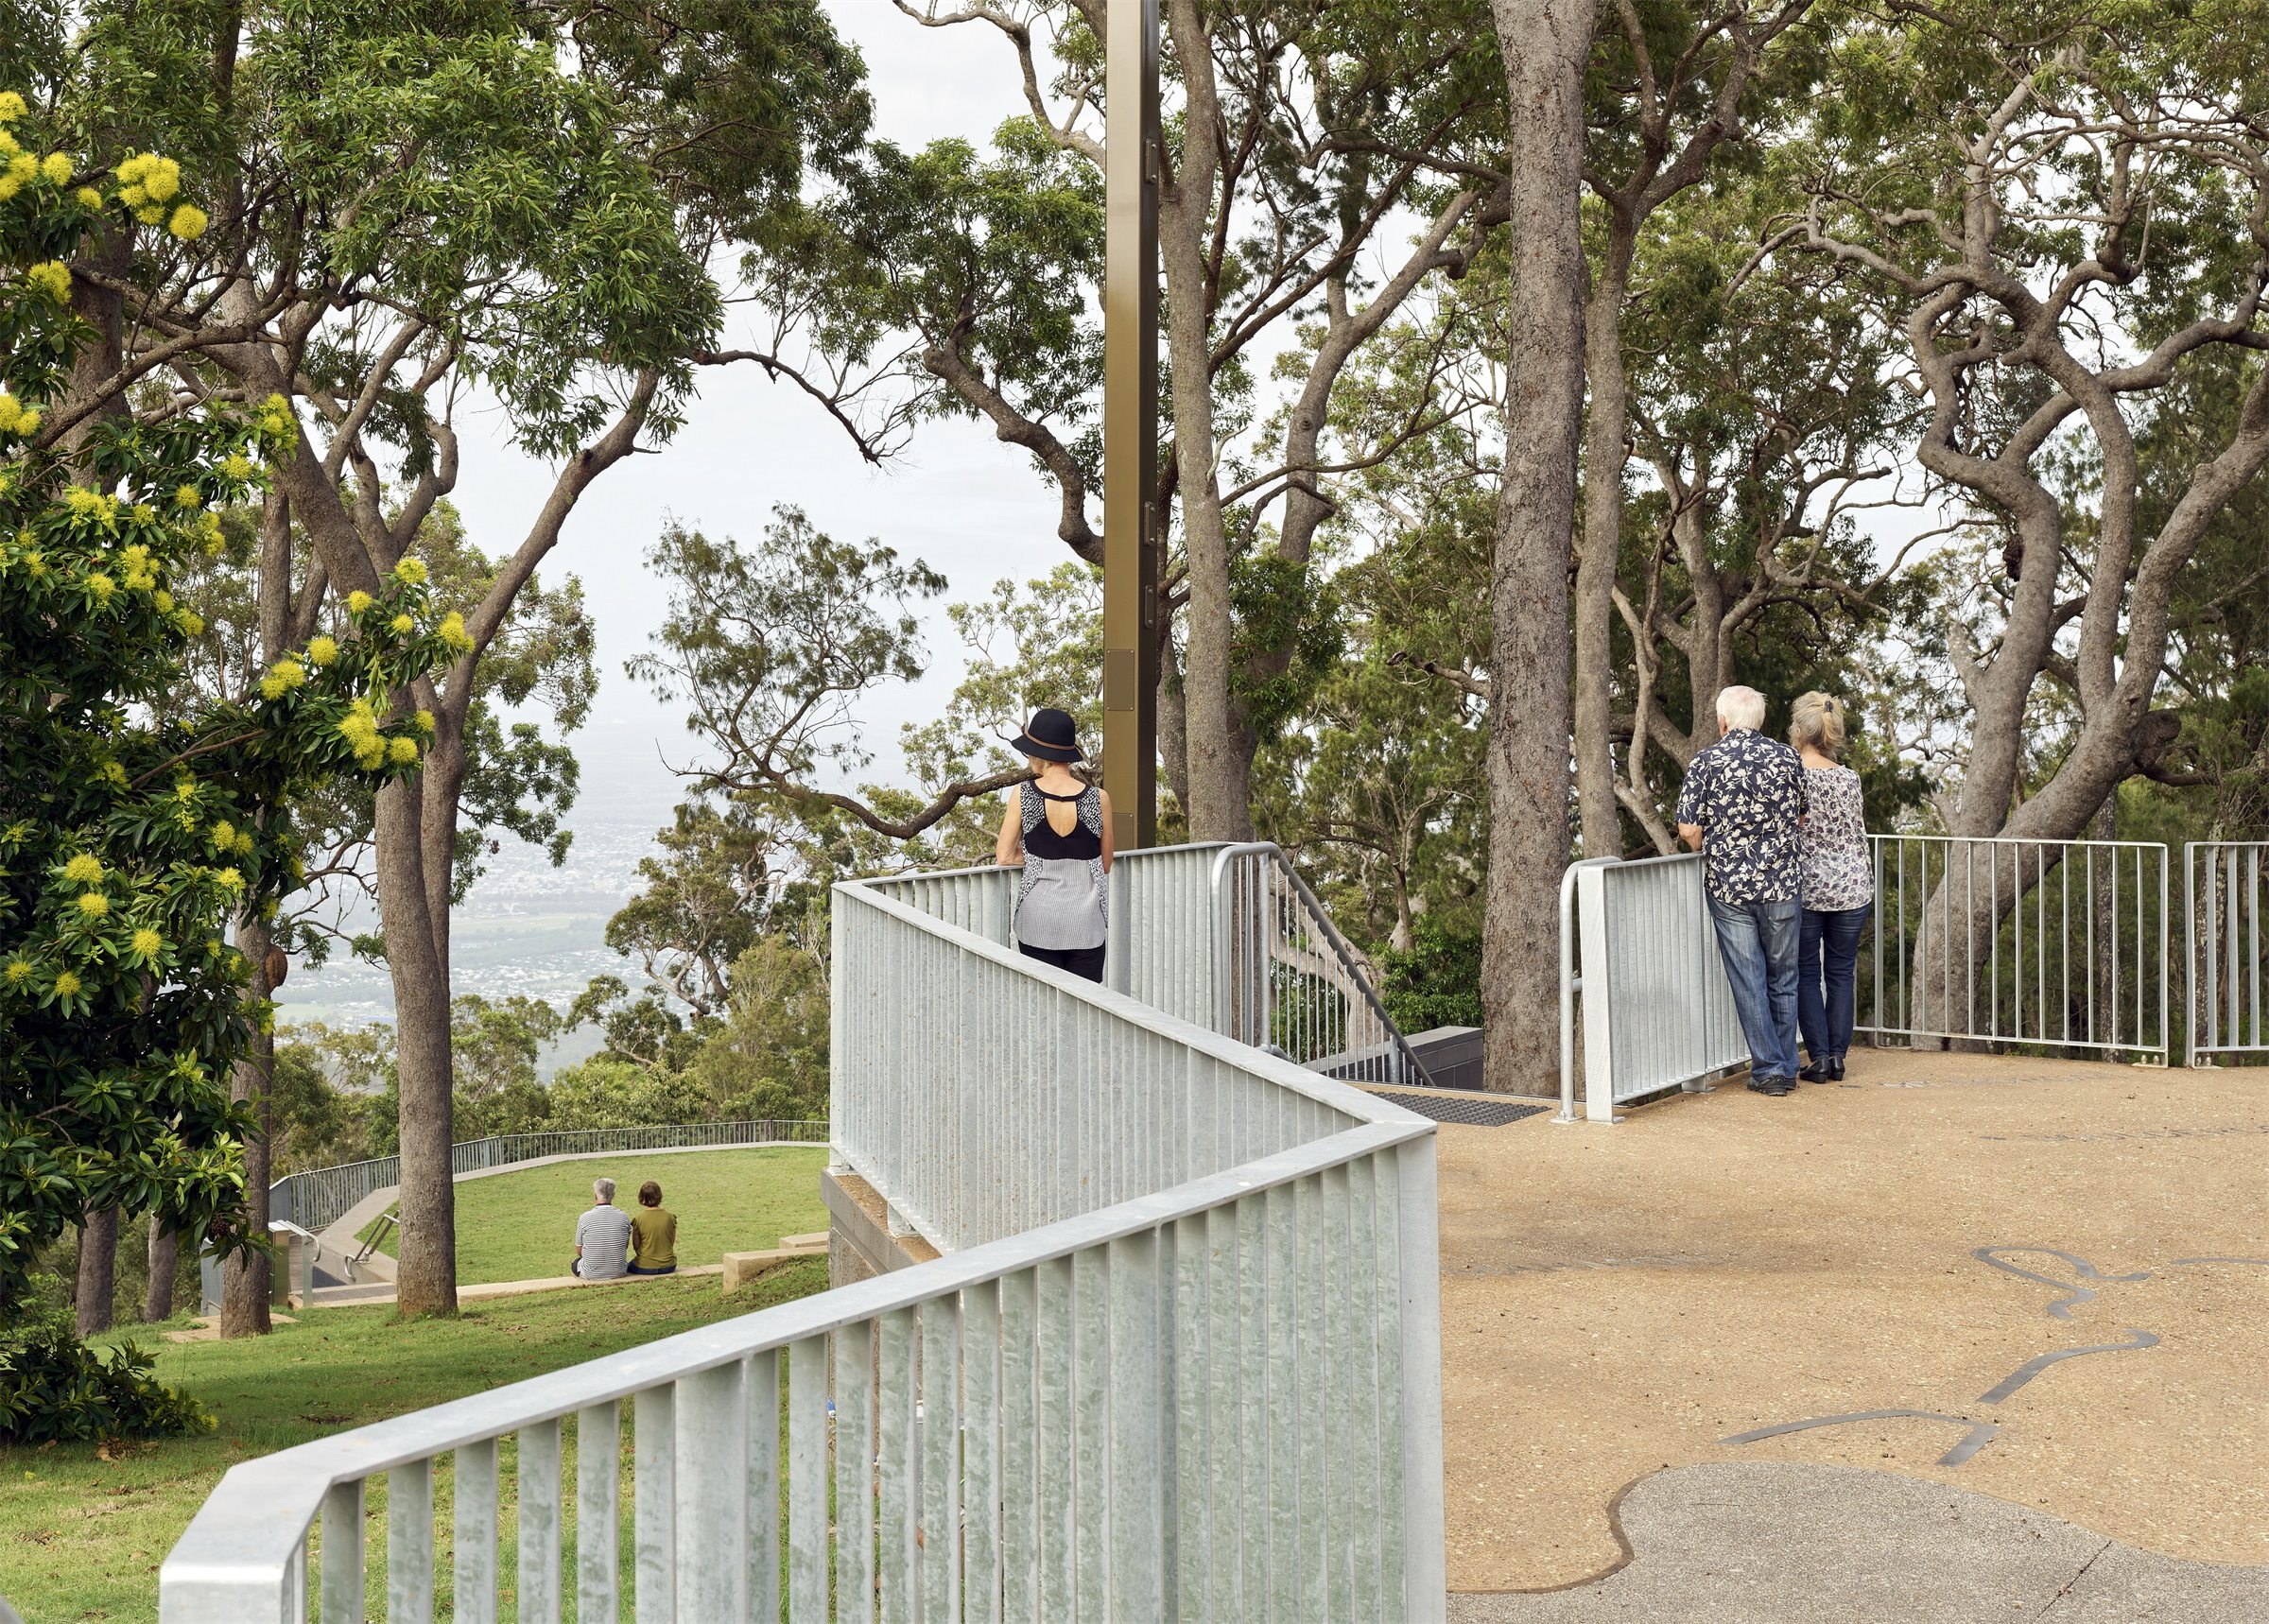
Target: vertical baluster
1257 1335
711 1418
1022 1504
410 1543
2112 946
475 1517
941 1482
341 1594
598 1476
1135 1490
894 1411
1196 1379
981 1453
2253 937
1282 1405
538 1597
1340 1398
760 1386
654 1504
1090 1431
1394 1578
854 1475
1366 1443
806 1479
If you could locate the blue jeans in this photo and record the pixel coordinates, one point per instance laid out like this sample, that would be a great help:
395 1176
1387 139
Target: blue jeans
1827 955
1757 941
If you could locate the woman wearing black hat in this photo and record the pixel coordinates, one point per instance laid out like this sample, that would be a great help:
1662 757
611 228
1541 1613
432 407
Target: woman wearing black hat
1058 827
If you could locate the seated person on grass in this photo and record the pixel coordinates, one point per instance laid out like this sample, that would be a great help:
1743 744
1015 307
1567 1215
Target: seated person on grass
602 1236
654 1234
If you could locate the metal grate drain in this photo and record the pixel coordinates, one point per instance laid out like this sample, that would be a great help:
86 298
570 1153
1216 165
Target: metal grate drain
1455 1107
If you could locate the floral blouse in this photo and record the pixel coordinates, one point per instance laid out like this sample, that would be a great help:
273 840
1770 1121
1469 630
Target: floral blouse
1839 873
1747 792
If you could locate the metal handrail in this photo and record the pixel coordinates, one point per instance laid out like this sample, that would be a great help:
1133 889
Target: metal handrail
1400 1064
2224 983
1225 1330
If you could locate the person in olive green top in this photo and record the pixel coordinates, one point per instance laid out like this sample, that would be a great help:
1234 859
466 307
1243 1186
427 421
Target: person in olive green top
653 1234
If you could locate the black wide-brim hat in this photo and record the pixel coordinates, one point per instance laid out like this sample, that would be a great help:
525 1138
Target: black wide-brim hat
1051 735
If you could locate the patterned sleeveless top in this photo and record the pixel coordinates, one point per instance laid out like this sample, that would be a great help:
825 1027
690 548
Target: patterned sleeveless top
1061 900
1838 872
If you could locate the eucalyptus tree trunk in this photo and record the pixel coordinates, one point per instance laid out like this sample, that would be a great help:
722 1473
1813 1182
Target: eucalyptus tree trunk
95 1298
165 1256
245 1280
1545 45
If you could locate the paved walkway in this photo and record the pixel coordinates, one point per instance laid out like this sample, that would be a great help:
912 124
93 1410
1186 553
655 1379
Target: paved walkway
2053 1277
1799 1543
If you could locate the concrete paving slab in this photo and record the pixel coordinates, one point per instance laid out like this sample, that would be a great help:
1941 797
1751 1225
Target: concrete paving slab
1792 1543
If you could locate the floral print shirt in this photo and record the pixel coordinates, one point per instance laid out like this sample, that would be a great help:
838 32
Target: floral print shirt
1838 872
1747 792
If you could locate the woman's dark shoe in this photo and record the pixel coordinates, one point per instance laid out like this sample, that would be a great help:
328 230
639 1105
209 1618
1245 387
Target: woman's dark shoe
1815 1071
1835 1070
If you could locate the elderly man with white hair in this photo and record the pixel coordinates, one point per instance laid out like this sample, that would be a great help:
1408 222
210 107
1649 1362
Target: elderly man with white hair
602 1236
1743 807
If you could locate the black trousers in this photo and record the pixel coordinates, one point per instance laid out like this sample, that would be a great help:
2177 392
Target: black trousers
1087 961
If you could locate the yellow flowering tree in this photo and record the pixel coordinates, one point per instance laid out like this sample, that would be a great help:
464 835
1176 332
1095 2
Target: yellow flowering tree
127 843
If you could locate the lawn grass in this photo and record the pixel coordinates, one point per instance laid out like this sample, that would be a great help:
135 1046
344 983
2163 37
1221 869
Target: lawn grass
81 1537
521 1226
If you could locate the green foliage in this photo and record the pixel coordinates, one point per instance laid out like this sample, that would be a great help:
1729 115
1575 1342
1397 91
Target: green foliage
768 1058
129 835
54 1389
1437 982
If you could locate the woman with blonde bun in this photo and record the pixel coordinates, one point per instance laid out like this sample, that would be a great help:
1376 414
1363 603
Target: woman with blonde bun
1839 887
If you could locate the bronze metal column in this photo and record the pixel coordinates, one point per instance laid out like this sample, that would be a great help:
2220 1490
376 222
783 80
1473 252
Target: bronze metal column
1130 528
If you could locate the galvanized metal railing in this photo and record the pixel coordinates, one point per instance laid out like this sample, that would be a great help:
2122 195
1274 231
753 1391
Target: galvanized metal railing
2222 950
1203 1380
317 1198
2045 944
1639 959
1287 979
1227 936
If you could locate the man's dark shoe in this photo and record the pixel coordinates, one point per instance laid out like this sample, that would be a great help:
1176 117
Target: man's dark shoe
1835 1069
1776 1086
1813 1071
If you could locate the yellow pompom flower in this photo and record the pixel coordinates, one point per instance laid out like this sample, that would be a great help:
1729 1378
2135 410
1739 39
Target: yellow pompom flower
56 168
224 835
186 497
410 572
191 623
423 721
83 870
12 107
163 181
188 222
244 843
238 466
66 984
89 198
18 972
404 625
17 418
322 652
454 633
148 942
184 790
358 601
100 587
403 751
151 213
112 774
93 904
162 601
51 277
9 143
230 880
23 169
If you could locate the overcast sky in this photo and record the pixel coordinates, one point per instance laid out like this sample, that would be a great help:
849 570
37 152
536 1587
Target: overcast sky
959 499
